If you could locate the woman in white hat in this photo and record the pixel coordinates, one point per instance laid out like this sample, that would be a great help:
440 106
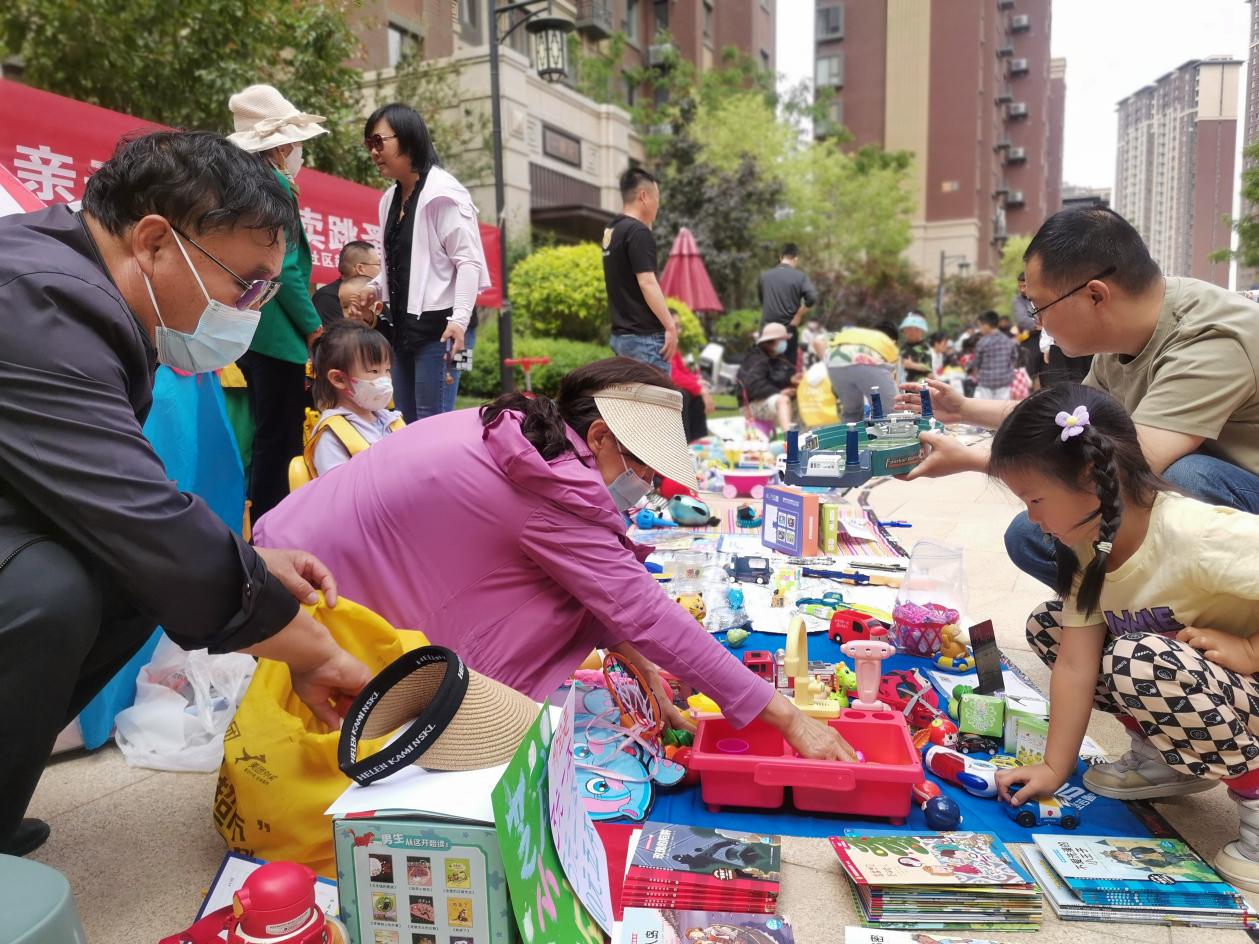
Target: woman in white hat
268 125
501 534
433 264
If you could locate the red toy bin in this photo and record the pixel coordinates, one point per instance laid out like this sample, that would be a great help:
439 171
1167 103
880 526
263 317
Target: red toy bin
881 785
738 779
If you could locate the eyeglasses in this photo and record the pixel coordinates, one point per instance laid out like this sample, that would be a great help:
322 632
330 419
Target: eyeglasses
1036 312
256 293
376 142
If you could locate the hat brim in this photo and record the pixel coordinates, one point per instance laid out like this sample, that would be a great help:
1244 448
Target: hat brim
490 724
251 142
651 431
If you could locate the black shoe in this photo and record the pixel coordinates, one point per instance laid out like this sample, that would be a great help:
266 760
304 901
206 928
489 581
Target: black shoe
29 836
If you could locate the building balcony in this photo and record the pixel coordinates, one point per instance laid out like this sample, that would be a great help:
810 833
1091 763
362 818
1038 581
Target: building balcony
1002 145
1016 155
1001 188
1005 4
594 19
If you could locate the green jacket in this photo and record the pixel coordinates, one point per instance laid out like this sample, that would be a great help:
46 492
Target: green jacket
289 317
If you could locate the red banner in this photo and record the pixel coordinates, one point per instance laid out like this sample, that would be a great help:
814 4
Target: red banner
53 144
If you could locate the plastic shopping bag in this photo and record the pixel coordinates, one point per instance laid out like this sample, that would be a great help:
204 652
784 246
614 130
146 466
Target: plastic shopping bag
815 399
279 769
932 595
184 702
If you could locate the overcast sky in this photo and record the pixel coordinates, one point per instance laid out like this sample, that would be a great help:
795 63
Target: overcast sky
1112 48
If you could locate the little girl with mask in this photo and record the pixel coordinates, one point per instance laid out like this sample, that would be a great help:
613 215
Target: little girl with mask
1157 616
352 388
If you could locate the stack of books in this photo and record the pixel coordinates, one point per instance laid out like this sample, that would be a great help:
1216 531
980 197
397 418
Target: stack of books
1142 881
949 881
689 867
649 926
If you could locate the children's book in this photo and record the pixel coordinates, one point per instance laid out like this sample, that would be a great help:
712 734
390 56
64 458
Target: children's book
1104 870
651 926
884 936
709 858
942 859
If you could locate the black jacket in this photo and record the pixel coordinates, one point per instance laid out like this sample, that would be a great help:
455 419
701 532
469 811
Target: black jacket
76 371
762 375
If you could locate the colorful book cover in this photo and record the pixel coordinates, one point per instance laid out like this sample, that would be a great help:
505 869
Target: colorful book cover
706 857
946 859
1108 870
651 926
994 843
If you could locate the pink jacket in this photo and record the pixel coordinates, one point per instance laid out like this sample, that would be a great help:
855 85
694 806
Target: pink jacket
519 565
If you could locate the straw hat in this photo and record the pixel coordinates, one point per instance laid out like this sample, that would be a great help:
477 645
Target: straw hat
647 420
265 119
774 331
454 718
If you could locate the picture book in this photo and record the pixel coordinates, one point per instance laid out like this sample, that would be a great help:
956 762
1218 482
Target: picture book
651 926
693 854
941 860
1109 870
883 936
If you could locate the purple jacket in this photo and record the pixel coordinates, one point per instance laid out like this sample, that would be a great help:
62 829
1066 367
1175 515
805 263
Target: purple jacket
522 566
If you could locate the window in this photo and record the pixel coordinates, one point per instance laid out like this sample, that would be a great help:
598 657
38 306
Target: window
403 43
662 15
630 25
708 19
468 13
829 71
833 120
765 59
830 23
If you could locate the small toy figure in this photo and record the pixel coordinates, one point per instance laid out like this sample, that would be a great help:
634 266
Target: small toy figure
693 603
648 519
845 683
955 655
976 777
1042 811
748 517
850 626
737 637
942 813
940 731
690 512
867 656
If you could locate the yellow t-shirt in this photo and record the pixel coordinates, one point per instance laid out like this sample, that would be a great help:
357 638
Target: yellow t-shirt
1196 567
1197 373
861 346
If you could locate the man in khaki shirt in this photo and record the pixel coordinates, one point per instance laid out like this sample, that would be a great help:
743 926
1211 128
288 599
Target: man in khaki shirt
1180 354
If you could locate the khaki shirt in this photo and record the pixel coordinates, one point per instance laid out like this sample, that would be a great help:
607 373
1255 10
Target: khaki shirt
1197 373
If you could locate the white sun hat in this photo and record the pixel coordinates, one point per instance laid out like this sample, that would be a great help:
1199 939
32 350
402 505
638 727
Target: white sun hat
265 119
647 421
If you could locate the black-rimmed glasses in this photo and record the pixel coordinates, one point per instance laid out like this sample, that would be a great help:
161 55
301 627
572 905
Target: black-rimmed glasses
256 293
1038 311
376 142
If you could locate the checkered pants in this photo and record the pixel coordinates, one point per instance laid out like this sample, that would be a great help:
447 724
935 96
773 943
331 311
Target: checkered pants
1201 716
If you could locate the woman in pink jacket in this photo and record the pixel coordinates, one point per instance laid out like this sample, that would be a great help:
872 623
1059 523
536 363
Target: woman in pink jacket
500 534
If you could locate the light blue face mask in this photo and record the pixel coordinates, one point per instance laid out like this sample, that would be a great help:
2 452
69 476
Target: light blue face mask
223 333
628 488
780 347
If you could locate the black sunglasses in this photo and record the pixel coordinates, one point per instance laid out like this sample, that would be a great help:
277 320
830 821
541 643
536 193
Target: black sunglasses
376 142
1036 312
256 293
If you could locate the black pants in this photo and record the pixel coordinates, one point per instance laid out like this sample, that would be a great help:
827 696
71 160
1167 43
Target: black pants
64 633
277 397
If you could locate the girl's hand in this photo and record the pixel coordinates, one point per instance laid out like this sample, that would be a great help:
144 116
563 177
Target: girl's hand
1232 652
1036 780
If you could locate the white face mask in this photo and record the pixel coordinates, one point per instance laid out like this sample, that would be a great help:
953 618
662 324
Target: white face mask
628 489
223 333
371 393
780 347
293 161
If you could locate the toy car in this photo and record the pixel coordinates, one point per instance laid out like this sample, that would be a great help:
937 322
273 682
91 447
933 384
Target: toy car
748 517
749 569
760 662
850 626
1043 811
976 777
977 744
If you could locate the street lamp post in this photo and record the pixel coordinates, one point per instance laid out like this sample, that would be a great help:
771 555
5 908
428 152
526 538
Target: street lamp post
551 62
962 265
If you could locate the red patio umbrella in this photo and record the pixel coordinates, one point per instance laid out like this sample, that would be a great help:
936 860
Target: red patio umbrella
685 277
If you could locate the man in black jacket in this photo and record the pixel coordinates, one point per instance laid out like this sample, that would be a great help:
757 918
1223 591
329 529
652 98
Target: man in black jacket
357 258
172 254
769 379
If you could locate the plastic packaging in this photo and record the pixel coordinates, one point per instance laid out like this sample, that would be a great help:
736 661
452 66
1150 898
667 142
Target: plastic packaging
688 571
932 595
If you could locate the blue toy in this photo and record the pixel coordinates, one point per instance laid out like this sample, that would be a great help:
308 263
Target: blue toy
648 519
942 813
976 777
690 512
747 517
1042 811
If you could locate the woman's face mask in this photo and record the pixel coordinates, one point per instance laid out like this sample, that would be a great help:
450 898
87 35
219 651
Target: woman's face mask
780 347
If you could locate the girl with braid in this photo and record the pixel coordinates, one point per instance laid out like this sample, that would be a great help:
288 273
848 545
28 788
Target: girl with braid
1157 619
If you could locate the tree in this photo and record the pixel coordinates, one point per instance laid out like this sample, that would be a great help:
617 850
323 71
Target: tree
1011 265
867 295
1247 227
599 74
966 297
178 64
460 130
560 293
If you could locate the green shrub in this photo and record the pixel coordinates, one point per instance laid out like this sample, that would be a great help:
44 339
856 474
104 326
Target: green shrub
691 338
736 330
483 380
559 293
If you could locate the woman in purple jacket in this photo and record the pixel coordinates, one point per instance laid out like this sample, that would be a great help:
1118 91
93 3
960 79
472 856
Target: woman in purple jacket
500 534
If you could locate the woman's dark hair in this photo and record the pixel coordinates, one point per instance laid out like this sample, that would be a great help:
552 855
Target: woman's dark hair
197 180
344 346
545 419
1106 458
889 329
413 138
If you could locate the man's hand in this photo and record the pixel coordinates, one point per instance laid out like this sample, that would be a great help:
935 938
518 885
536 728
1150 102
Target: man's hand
301 573
329 687
1036 780
947 404
670 343
946 456
453 332
1232 652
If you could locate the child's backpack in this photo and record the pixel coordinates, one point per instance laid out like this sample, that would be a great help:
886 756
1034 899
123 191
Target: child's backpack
302 468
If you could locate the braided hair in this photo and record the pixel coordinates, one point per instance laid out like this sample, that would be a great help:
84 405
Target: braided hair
1104 458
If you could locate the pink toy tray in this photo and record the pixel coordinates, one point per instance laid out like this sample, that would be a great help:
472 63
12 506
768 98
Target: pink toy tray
746 482
754 766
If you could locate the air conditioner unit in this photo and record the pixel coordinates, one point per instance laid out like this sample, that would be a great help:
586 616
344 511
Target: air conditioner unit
1002 145
1018 67
1020 23
659 54
1004 95
1005 4
1016 155
1016 110
1005 52
1001 189
1014 198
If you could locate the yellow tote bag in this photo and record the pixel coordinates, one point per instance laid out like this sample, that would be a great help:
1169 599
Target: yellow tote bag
280 769
816 401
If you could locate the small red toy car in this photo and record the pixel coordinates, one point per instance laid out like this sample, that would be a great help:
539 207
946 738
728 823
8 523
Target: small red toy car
760 662
852 626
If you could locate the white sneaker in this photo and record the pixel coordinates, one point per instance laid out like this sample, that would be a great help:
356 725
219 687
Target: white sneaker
1238 862
1142 774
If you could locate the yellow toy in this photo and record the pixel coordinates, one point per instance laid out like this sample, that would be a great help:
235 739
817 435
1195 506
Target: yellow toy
811 696
693 603
954 655
703 707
